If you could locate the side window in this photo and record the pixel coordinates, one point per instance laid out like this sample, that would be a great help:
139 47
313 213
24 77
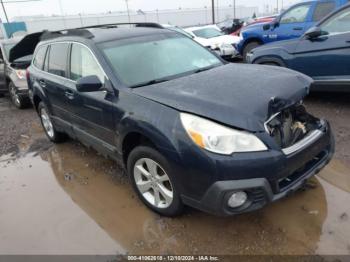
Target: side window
339 23
322 9
58 59
40 57
83 63
297 14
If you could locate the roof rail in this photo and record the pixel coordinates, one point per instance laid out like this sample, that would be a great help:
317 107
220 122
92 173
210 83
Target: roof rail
141 24
46 35
83 32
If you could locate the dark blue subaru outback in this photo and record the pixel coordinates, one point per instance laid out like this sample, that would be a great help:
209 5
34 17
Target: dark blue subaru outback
190 129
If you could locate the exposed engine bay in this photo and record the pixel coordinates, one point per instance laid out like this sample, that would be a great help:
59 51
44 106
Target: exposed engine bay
291 125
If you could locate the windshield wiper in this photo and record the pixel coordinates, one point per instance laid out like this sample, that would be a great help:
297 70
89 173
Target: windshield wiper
152 82
204 69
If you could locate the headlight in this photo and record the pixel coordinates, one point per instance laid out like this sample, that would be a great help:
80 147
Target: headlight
219 139
228 46
21 74
215 46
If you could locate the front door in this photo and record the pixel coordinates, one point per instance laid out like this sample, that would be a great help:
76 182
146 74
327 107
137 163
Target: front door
327 57
292 23
94 111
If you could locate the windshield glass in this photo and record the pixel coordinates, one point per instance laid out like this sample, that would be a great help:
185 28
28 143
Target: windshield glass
7 48
207 33
181 31
144 59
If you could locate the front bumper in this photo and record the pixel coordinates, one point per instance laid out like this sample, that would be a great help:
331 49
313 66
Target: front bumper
264 190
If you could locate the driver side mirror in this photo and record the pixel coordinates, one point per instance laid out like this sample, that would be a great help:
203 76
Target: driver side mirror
275 23
89 84
314 32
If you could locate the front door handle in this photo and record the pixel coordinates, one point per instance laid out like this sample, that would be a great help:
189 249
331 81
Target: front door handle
298 28
42 83
348 41
69 94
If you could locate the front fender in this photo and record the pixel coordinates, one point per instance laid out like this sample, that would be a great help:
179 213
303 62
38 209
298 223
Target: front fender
157 122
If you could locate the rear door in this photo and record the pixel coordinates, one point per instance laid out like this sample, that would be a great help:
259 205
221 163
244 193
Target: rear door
327 58
55 80
93 111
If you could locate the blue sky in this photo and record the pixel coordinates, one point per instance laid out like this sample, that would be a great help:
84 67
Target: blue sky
49 7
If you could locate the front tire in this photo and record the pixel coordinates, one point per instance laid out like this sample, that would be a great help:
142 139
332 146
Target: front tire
152 179
49 128
18 101
249 47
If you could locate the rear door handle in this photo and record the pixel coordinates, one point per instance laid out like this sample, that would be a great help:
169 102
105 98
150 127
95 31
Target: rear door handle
42 83
298 28
69 94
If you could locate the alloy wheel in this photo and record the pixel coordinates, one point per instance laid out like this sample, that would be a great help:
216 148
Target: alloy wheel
153 183
14 96
45 119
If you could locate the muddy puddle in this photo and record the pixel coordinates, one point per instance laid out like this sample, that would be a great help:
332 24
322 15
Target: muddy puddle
65 199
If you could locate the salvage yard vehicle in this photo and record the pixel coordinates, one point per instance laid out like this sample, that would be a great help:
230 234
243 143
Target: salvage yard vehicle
13 74
190 128
323 53
210 36
292 23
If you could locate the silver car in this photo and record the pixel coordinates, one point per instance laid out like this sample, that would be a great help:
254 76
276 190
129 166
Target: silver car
13 75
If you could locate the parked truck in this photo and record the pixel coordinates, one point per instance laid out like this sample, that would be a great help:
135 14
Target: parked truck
292 23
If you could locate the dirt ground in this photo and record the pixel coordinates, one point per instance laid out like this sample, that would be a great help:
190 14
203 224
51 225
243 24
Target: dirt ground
66 199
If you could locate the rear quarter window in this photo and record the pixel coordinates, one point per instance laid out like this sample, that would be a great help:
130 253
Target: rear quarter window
322 10
39 58
58 59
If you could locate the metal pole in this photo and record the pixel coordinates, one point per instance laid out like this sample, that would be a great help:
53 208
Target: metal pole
3 8
213 11
217 11
127 8
277 6
234 9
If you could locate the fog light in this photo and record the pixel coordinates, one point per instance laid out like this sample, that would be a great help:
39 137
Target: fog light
237 199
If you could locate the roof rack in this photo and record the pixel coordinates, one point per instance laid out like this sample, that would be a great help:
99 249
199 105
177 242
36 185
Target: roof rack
114 25
46 35
83 32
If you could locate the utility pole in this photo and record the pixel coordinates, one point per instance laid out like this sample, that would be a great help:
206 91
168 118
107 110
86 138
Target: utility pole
3 8
234 9
217 11
127 8
12 2
213 10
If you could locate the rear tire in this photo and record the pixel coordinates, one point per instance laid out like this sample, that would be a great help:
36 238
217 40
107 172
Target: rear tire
48 126
152 178
17 100
249 47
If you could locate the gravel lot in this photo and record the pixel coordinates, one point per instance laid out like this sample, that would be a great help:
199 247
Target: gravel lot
66 199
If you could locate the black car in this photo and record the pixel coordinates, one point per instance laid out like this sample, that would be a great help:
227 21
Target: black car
190 129
322 53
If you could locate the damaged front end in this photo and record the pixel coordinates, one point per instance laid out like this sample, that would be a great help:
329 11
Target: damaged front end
293 128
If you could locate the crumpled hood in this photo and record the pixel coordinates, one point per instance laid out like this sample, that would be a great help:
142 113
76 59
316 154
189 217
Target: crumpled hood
241 96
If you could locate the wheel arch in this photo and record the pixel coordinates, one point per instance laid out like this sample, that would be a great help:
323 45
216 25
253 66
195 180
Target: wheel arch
133 134
270 59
